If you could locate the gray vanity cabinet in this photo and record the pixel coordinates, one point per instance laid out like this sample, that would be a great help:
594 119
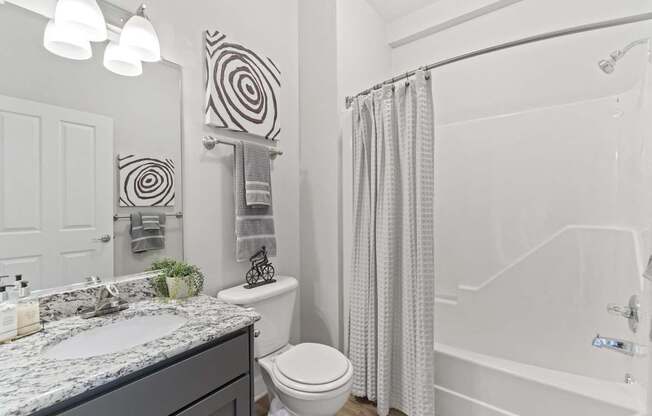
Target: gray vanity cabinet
212 380
232 400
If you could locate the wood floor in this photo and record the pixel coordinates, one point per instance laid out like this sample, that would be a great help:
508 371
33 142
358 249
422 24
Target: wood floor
354 407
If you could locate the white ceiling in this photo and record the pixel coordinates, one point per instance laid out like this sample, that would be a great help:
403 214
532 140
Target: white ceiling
392 9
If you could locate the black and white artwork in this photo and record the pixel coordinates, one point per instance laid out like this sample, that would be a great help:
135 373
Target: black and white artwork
242 88
146 181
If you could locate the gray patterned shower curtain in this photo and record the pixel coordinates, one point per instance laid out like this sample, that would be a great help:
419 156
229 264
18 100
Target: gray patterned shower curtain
391 340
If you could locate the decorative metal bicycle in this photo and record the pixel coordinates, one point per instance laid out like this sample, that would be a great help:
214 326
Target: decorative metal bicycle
261 272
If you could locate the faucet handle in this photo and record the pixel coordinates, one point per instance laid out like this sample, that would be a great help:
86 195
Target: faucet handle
93 279
629 312
113 289
624 311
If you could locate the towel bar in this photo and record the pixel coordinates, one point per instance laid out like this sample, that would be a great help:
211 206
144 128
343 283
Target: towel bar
117 217
210 142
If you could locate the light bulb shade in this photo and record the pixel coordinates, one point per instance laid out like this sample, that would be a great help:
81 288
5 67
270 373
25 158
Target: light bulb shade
83 17
139 36
121 61
63 42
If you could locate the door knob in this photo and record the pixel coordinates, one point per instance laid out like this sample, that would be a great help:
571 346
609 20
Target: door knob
103 238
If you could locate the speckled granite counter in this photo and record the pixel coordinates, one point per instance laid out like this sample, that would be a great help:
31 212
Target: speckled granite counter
30 382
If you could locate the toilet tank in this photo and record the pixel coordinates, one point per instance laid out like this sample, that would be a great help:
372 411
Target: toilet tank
275 303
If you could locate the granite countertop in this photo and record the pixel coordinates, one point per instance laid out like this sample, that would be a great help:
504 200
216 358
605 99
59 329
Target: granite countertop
31 382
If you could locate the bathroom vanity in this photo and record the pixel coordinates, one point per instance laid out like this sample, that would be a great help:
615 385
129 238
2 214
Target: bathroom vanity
201 365
213 379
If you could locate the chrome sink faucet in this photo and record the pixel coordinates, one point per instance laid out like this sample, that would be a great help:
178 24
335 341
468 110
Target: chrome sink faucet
108 301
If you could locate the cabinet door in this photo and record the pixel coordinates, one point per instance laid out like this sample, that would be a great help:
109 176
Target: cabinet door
232 400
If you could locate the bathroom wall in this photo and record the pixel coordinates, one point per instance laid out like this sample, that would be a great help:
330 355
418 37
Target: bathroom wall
364 58
341 47
270 27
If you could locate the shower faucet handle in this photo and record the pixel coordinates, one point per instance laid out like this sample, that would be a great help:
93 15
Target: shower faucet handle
624 311
629 312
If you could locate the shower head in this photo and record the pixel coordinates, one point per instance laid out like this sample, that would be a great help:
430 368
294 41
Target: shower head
608 66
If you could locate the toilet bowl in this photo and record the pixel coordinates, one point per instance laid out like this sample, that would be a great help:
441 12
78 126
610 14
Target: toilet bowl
308 379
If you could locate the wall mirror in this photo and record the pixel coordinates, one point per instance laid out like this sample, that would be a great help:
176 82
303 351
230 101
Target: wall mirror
81 149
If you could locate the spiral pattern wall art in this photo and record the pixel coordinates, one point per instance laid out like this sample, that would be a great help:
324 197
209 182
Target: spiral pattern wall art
242 88
146 181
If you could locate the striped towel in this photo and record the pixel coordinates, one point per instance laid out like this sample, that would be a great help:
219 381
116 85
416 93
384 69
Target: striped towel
151 222
147 234
257 175
254 226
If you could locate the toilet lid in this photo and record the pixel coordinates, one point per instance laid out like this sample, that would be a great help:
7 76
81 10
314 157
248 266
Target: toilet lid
312 364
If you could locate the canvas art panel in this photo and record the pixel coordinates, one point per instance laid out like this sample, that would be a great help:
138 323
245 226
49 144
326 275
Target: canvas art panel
146 181
242 88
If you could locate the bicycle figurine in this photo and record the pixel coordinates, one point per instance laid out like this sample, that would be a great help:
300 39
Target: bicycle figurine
261 268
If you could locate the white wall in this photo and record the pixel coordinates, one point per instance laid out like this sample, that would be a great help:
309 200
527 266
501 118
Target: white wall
364 58
270 27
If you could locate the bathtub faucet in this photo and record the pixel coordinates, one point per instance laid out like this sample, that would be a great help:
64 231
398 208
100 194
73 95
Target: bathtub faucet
618 345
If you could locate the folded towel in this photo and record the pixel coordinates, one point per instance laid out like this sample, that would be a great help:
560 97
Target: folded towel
151 222
146 239
254 226
258 184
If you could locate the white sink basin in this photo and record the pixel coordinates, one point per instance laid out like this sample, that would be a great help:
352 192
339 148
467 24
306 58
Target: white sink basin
115 337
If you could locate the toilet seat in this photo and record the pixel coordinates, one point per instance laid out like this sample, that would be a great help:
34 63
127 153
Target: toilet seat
311 369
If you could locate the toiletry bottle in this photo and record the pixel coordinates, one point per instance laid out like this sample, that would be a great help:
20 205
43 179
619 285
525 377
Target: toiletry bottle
8 316
27 310
13 289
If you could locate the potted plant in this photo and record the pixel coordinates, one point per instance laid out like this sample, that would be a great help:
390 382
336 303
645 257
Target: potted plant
177 279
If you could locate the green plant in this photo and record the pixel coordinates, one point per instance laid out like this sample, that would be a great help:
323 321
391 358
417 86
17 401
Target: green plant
191 274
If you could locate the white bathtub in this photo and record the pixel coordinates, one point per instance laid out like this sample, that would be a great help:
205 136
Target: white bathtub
471 384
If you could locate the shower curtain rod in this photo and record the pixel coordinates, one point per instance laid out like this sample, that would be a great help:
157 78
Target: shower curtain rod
507 45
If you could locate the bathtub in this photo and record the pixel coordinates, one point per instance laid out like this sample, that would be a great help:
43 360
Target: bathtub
472 384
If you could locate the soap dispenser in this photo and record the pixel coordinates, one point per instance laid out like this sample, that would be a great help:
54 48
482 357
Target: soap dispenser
27 310
8 316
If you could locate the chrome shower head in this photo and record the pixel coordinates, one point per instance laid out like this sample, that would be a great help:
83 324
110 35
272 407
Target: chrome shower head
607 66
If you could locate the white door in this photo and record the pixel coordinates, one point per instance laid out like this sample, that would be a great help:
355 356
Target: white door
56 199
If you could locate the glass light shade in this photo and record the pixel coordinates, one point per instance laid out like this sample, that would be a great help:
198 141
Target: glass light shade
139 36
121 61
83 17
63 42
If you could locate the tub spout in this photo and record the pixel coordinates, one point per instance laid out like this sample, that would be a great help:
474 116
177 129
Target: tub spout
618 345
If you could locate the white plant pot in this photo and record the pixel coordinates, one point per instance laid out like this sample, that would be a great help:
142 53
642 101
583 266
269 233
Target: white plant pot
178 288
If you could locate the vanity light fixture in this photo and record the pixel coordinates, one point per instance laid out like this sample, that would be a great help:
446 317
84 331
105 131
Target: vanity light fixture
83 17
122 61
65 43
139 36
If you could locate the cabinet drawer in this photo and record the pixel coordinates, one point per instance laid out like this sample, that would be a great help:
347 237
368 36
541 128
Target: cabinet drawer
173 387
232 400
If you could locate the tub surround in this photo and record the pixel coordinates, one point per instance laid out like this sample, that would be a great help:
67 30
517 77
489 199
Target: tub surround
30 382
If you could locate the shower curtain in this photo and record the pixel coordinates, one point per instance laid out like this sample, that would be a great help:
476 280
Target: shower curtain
391 340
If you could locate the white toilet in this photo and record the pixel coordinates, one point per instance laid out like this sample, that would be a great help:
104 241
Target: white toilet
309 379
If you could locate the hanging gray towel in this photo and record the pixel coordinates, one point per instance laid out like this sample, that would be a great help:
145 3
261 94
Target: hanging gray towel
254 226
147 238
258 184
151 222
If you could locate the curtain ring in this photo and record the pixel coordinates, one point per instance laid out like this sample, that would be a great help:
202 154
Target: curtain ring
425 69
407 79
